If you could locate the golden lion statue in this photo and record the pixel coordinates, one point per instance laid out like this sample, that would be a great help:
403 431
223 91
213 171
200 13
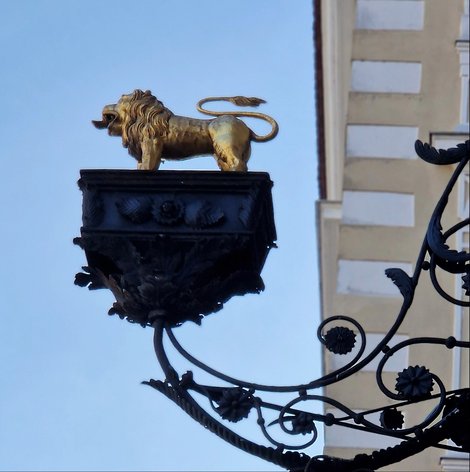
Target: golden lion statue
151 132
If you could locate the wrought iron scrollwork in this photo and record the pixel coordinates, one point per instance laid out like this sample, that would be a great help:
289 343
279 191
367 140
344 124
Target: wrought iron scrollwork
415 384
296 418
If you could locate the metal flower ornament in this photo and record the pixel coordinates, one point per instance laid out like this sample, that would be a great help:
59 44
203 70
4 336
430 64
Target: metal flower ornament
175 246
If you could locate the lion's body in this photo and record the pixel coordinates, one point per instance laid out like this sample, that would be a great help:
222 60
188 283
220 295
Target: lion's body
187 137
152 132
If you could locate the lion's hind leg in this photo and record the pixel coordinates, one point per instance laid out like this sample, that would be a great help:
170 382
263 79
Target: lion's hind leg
228 159
231 141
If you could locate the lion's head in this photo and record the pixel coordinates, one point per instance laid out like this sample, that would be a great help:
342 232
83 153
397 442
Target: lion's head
133 116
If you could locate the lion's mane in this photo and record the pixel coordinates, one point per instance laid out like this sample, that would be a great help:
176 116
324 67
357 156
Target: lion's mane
144 115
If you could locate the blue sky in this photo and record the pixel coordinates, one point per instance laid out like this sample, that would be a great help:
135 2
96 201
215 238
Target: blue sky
70 396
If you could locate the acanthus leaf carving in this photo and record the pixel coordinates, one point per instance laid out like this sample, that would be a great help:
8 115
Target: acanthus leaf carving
93 209
134 209
184 280
203 214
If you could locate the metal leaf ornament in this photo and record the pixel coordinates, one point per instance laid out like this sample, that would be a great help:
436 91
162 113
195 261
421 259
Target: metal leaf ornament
392 419
402 280
303 423
340 340
466 283
235 404
414 382
457 411
88 278
442 156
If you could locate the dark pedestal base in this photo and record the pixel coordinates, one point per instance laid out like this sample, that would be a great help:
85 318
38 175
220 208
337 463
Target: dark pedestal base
174 244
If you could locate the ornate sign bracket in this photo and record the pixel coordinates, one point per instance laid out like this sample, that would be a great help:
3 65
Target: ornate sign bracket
174 246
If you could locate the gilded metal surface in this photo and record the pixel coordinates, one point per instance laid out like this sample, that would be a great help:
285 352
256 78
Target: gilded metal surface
151 132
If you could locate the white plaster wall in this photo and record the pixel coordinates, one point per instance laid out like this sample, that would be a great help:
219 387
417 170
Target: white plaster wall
378 208
396 363
464 195
390 14
464 22
368 278
386 77
455 462
446 141
464 58
380 141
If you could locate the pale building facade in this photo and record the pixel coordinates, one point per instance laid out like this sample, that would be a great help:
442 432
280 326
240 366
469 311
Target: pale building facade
389 72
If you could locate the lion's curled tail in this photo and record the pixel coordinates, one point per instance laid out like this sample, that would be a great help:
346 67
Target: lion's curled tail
243 102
